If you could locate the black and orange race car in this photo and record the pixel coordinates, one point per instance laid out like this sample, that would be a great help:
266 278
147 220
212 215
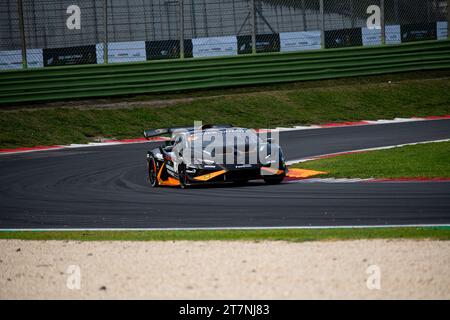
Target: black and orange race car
214 154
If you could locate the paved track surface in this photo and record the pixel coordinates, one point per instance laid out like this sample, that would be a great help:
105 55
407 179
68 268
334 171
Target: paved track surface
106 187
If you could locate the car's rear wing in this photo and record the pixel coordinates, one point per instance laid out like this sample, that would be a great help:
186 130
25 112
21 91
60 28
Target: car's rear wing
158 132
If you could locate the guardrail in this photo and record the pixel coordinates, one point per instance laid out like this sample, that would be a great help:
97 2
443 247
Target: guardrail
87 81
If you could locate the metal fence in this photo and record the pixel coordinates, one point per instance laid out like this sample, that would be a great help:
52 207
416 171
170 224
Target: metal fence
45 33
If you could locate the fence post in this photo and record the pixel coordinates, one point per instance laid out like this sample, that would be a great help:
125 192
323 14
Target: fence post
448 19
105 27
322 24
181 12
382 22
305 27
253 22
23 40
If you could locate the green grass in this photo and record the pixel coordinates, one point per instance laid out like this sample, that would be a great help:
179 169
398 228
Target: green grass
294 235
294 104
352 81
430 160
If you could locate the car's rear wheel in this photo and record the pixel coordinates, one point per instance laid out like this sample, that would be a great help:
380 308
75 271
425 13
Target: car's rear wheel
274 179
240 182
152 171
182 176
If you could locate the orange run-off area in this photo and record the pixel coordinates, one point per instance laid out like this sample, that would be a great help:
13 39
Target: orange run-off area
303 173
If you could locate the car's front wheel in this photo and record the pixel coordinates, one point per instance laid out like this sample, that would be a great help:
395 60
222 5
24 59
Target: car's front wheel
152 171
182 176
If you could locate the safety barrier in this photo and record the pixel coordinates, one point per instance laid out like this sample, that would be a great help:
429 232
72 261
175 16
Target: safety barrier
87 81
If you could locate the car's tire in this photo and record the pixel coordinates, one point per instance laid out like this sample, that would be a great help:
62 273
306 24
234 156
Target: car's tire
240 182
274 179
182 176
152 171
277 179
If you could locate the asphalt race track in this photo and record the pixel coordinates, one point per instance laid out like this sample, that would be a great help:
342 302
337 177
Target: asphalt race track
106 187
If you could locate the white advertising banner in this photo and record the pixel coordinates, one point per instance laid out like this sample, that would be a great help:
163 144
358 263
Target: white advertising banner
131 51
371 37
442 30
12 59
393 34
214 46
297 41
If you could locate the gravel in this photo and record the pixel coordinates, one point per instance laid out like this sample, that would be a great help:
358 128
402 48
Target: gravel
225 270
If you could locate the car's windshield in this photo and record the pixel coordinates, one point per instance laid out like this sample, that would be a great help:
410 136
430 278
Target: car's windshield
233 138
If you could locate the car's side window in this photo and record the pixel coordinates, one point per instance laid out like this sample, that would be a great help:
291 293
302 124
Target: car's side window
177 140
175 144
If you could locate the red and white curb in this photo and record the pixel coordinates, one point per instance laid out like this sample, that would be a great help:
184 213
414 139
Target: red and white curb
330 155
156 139
104 143
360 123
324 180
358 180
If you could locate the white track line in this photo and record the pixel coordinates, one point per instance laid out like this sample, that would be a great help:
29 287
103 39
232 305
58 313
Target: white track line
232 228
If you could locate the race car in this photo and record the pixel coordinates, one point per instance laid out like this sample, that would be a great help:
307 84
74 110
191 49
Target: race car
212 154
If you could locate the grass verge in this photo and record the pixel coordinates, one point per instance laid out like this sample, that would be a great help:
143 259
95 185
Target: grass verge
343 100
417 161
294 235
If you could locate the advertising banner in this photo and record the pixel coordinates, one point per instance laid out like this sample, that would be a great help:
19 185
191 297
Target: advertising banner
343 38
12 59
167 49
214 46
298 41
418 32
371 37
70 56
442 30
393 34
264 43
132 51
